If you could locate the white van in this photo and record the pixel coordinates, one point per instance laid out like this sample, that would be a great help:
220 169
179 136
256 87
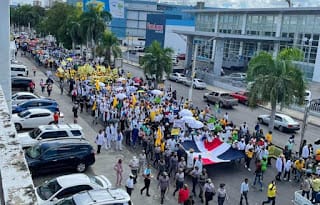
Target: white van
19 70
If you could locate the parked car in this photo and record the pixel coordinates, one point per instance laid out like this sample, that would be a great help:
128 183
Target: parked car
237 76
282 122
181 56
21 97
241 96
197 83
178 77
222 98
55 190
49 132
56 155
98 197
18 70
20 83
49 104
32 118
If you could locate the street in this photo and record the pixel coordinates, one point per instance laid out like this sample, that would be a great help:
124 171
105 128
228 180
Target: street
238 114
232 174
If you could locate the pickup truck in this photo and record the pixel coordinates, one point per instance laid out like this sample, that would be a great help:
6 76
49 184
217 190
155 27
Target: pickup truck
222 98
241 96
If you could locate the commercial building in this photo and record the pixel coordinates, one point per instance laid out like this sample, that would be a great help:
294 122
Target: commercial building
231 37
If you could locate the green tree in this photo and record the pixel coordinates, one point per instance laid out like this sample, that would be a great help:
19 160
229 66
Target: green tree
26 15
109 45
93 24
276 80
157 61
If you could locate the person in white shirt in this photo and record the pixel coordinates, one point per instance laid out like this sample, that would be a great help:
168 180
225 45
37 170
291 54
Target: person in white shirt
108 137
305 152
244 189
119 140
100 140
198 163
129 185
287 170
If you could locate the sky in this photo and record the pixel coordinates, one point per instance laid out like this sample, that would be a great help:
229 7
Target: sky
228 3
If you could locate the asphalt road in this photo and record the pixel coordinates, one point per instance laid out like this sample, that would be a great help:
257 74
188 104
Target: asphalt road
238 114
232 174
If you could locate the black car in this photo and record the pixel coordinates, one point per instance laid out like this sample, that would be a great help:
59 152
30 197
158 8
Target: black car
20 83
63 154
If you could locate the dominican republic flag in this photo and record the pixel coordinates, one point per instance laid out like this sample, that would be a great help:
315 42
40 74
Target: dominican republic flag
213 152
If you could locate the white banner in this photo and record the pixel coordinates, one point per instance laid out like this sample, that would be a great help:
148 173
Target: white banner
179 123
116 8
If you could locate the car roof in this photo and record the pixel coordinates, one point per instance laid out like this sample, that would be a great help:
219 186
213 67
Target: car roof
101 196
73 180
24 93
20 77
39 110
60 126
62 141
41 100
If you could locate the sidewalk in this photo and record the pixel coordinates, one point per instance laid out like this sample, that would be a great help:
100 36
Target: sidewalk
313 120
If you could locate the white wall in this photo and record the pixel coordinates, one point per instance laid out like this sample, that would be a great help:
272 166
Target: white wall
174 41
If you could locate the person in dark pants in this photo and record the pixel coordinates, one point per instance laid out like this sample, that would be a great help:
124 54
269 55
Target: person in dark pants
100 141
163 185
195 173
271 193
244 189
129 186
49 89
179 177
147 180
209 191
75 112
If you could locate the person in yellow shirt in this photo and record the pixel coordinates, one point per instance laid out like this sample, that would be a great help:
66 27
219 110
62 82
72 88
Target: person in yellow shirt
271 193
299 165
269 137
249 155
315 184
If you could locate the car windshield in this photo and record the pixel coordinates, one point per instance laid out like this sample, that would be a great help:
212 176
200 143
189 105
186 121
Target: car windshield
34 152
14 96
24 114
181 75
34 133
96 181
200 81
289 120
48 189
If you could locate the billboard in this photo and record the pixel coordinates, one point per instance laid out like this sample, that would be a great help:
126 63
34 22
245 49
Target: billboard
115 7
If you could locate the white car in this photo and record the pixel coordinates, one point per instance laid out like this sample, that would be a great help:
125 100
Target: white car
55 190
197 83
49 132
98 197
32 118
237 76
281 122
178 77
21 97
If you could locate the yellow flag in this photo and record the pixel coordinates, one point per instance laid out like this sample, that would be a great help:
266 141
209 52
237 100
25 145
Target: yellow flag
94 106
115 102
97 85
134 100
159 137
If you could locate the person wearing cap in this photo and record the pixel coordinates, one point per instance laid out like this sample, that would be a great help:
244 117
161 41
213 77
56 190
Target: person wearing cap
179 178
202 180
129 185
222 194
209 191
163 185
184 194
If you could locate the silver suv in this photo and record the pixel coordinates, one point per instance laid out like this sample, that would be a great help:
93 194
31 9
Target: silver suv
46 132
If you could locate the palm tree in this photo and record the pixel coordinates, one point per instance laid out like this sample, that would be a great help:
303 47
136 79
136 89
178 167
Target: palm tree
276 80
109 45
93 24
156 61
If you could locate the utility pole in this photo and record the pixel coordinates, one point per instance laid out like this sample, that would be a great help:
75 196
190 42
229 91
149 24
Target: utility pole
195 53
304 123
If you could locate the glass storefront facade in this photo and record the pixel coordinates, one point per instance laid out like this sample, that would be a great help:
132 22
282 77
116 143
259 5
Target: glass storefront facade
302 29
